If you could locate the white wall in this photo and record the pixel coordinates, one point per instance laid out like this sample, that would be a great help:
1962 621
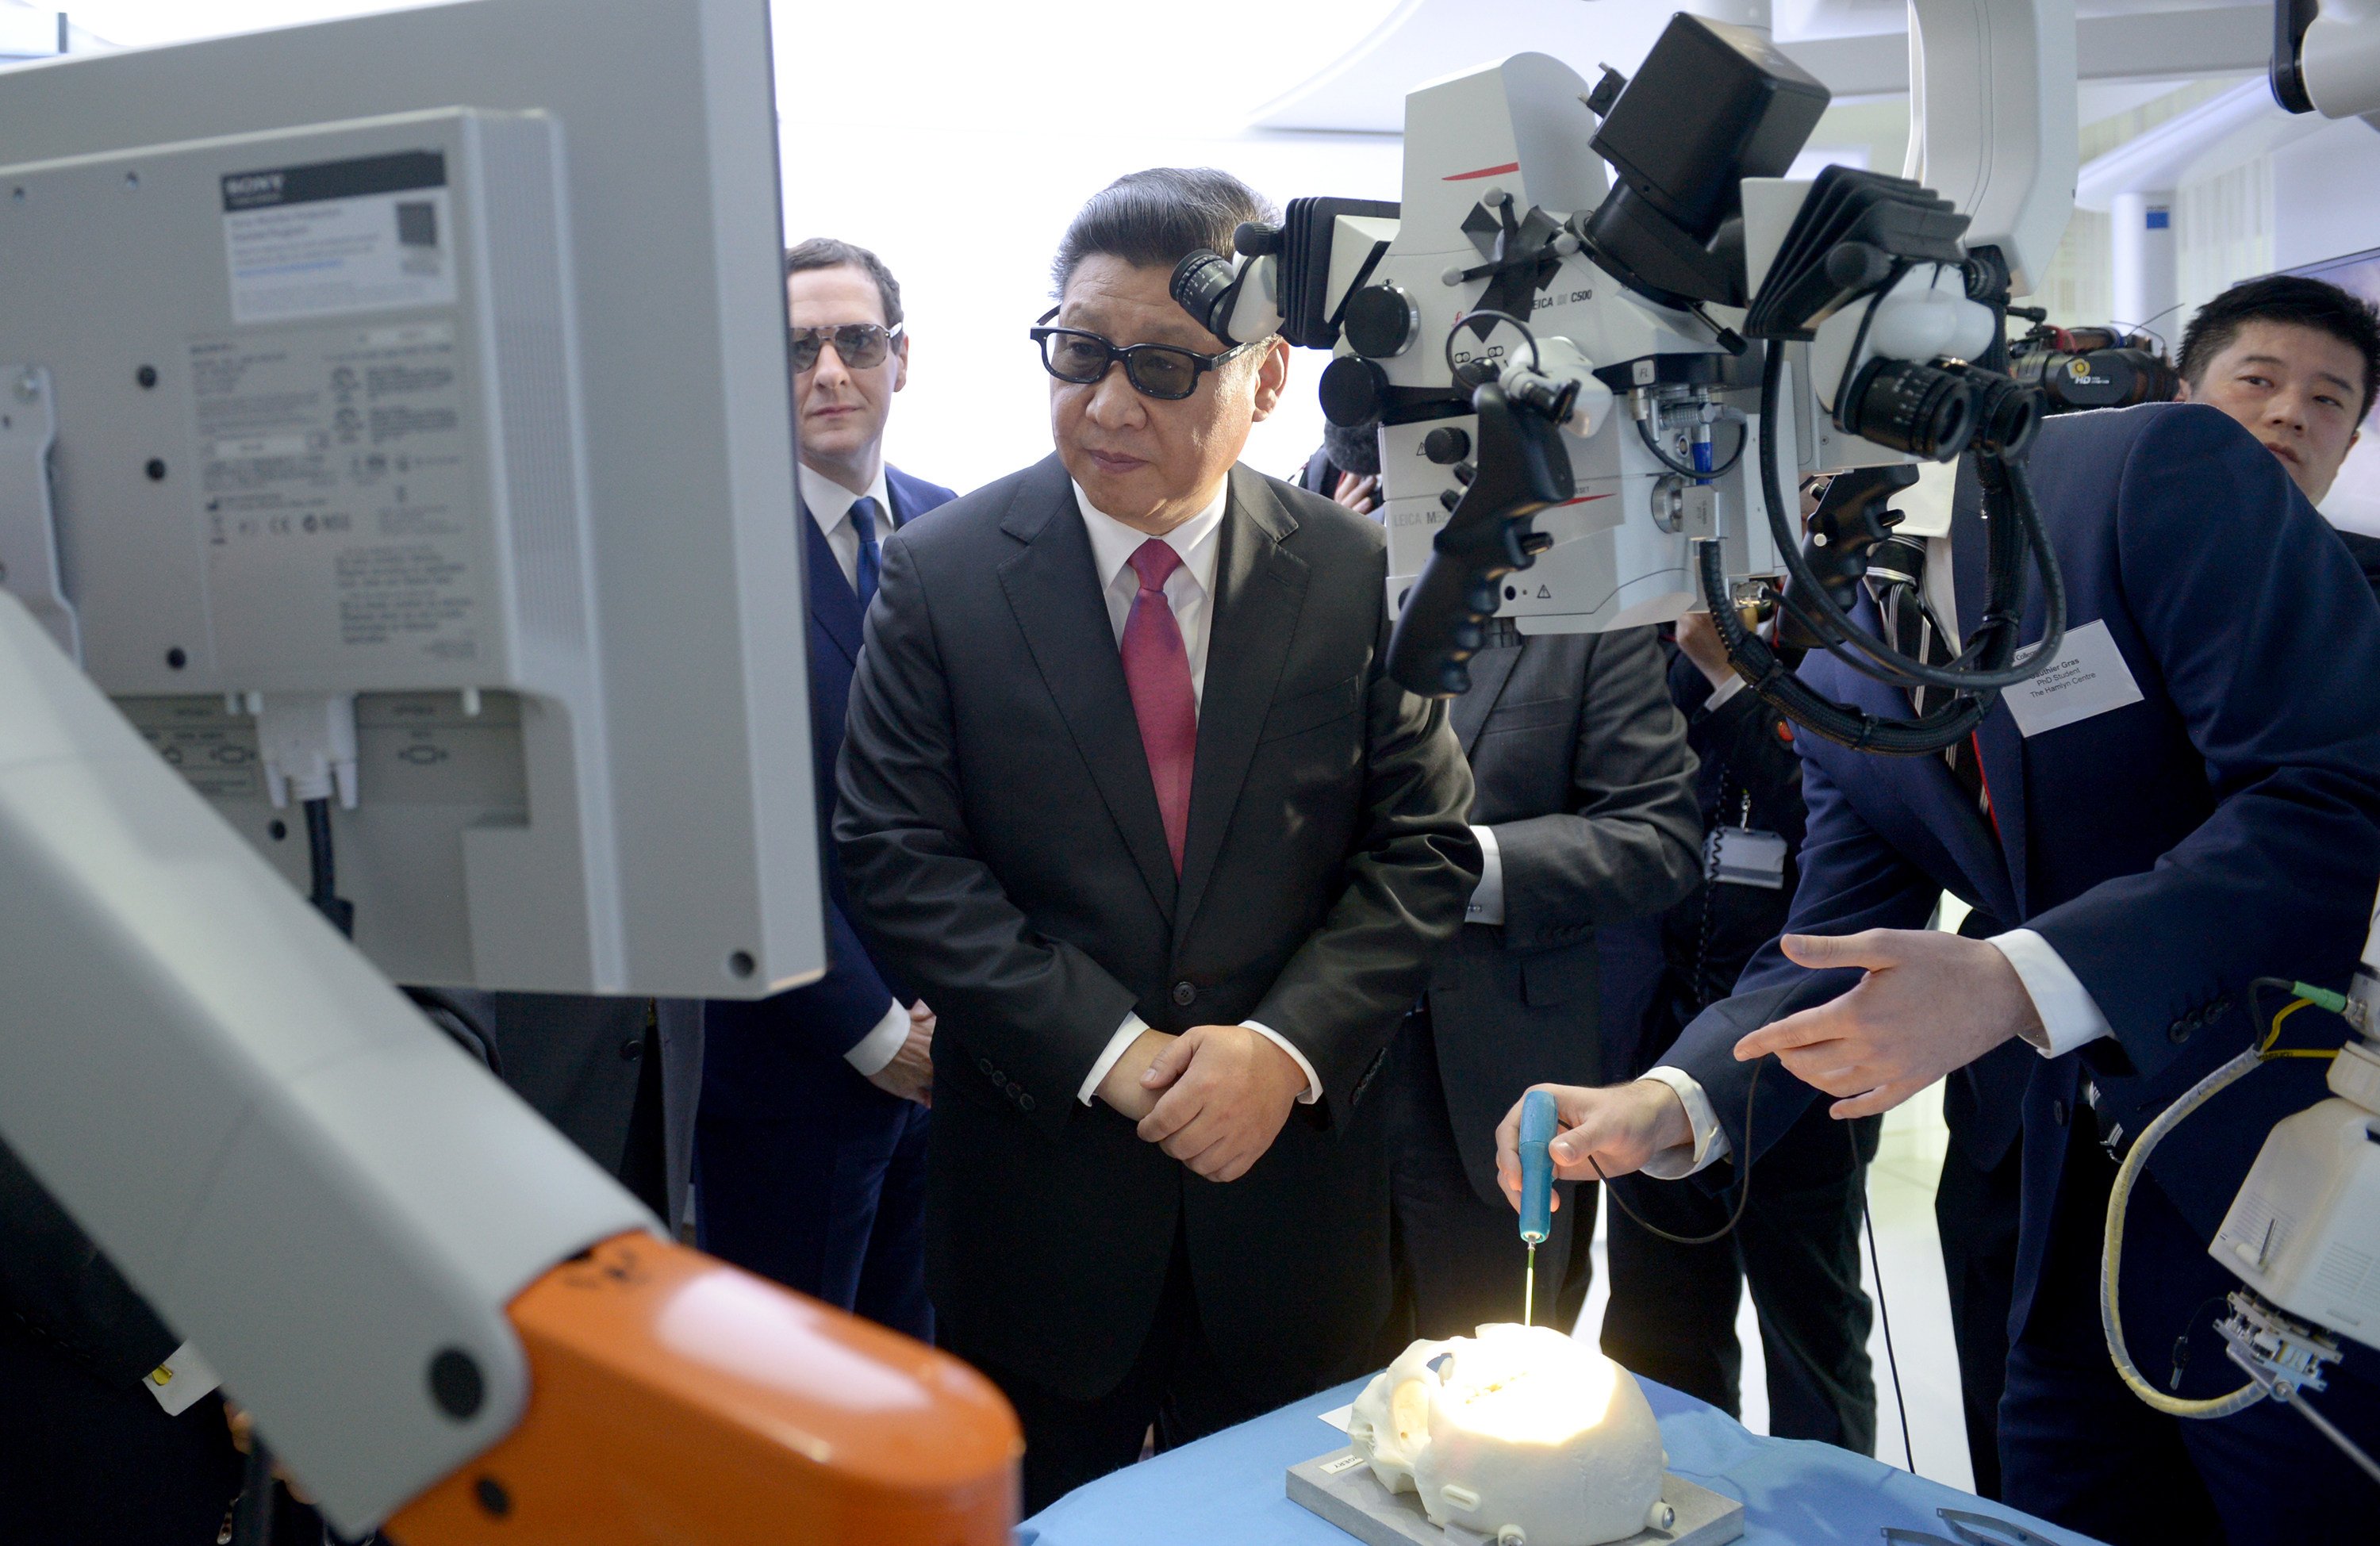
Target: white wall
967 224
956 141
2326 195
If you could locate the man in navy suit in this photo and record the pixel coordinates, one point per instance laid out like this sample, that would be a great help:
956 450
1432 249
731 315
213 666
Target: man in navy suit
811 1141
2192 803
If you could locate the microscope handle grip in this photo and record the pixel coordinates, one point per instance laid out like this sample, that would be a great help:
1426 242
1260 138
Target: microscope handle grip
1522 468
1538 1124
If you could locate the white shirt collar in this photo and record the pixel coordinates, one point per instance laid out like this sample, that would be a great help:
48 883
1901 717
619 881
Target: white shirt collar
829 502
1113 543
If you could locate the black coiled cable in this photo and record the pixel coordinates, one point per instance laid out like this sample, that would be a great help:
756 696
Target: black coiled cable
1974 678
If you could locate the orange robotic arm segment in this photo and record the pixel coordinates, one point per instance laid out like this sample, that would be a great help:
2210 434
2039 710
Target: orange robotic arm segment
674 1398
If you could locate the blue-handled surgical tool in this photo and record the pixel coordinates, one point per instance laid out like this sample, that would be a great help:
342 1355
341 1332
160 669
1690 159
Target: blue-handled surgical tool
1538 1123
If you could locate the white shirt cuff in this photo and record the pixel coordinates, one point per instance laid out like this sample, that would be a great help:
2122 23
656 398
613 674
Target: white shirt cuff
1723 692
1710 1145
1486 897
1126 1034
878 1047
181 1382
2070 1016
1129 1032
1313 1081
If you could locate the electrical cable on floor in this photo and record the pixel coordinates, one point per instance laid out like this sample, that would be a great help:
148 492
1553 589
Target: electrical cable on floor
1892 1360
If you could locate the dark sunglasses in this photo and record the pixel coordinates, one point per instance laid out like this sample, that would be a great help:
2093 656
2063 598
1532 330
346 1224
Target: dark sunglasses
1158 371
860 345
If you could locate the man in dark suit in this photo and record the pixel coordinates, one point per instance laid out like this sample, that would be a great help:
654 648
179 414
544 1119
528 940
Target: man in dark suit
102 1442
814 1101
1672 1314
1584 816
2296 362
1128 794
1978 1210
2205 812
618 1077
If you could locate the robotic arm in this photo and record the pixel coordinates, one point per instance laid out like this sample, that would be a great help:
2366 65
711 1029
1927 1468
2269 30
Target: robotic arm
2299 1234
441 1314
2326 56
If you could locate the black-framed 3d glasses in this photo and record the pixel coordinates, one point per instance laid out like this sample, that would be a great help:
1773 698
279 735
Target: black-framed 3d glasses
1161 371
860 345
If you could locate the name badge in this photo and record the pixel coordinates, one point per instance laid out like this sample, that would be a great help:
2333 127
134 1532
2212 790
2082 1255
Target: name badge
1743 856
2088 678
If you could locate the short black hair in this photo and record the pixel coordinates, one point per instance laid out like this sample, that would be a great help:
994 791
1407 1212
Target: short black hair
825 252
1154 219
2293 300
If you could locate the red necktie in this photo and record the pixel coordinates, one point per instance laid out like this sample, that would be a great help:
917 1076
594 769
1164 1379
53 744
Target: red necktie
1157 673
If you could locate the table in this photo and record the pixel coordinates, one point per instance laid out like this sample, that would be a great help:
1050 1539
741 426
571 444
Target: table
1227 1490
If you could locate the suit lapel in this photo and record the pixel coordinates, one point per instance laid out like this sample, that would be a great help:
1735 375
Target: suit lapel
1491 671
905 505
1996 737
1053 586
1260 591
834 606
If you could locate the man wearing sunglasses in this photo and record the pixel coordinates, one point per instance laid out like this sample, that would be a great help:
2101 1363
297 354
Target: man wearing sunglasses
812 1131
1128 794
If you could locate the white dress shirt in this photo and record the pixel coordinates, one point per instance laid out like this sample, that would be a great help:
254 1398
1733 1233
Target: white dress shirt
830 505
1487 897
2070 1016
1190 591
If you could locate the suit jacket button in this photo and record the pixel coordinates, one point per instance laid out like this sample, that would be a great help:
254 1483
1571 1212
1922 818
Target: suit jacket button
632 1049
2057 1112
1185 994
983 1064
1014 1092
2180 1030
1024 1103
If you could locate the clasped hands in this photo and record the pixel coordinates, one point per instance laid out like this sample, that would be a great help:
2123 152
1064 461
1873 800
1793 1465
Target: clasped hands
1214 1097
1930 1002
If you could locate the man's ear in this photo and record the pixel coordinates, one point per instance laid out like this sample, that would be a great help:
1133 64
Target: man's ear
1272 378
901 352
2181 391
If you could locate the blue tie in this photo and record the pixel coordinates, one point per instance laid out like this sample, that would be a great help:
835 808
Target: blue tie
872 555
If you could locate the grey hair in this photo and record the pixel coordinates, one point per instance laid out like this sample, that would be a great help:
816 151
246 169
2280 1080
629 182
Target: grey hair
825 252
1156 218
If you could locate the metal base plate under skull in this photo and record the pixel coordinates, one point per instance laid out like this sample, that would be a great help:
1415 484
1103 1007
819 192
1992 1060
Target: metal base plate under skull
1340 1488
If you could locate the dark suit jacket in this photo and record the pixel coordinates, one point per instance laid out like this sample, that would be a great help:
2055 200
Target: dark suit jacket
2227 826
578 1059
753 1049
1001 841
1583 773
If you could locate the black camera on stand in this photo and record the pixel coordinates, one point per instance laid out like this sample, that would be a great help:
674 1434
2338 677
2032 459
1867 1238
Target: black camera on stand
2077 369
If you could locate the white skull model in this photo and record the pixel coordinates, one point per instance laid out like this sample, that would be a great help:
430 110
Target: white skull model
1519 1435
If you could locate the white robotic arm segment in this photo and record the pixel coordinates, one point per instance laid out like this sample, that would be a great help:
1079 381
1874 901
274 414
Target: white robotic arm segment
1992 121
2340 59
276 1148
